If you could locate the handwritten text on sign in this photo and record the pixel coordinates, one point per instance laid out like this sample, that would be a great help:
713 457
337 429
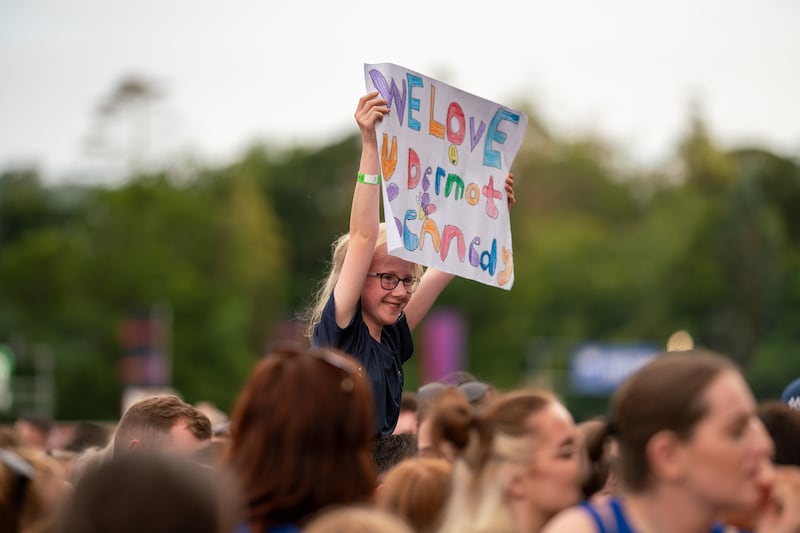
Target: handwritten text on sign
445 155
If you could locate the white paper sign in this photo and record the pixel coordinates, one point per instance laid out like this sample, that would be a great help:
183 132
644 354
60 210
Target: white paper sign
445 155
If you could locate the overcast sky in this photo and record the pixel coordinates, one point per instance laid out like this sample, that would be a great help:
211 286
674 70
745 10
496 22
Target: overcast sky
240 70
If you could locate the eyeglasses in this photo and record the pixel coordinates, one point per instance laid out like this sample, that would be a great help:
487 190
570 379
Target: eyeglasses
390 281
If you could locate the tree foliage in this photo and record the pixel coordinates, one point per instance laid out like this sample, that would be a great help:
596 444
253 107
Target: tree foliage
602 253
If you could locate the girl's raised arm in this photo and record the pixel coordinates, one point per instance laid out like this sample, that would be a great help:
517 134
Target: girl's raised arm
364 215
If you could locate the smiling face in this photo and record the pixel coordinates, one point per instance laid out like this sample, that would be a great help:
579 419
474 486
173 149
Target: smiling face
381 307
727 457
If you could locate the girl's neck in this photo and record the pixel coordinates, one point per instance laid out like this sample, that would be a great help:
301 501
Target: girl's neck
665 511
375 328
375 331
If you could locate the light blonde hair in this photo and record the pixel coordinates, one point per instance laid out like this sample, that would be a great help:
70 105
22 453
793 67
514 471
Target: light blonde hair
313 314
490 448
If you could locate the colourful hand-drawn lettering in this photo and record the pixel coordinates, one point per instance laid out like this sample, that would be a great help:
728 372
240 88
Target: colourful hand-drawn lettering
491 157
392 191
388 158
413 103
504 276
448 204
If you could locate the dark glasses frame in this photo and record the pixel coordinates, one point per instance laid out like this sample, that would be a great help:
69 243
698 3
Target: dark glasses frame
389 281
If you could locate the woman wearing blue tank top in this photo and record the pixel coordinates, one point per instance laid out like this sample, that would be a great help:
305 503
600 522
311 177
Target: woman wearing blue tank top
690 449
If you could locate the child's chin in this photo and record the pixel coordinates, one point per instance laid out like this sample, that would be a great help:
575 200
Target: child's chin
391 318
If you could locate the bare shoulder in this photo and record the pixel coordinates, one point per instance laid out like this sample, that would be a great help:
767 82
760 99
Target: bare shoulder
572 520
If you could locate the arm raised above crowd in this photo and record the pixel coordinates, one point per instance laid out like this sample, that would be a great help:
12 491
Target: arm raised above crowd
364 215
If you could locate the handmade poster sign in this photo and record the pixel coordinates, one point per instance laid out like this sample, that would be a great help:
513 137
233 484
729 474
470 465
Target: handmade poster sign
445 155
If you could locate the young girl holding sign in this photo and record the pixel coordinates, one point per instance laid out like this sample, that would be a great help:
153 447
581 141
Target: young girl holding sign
372 301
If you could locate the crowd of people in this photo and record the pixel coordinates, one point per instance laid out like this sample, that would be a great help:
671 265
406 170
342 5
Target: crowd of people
684 448
323 438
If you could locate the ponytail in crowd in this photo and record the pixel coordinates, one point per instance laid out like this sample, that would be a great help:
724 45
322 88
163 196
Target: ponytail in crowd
488 448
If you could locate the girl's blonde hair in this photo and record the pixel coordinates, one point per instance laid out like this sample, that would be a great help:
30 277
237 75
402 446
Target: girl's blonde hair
313 315
489 449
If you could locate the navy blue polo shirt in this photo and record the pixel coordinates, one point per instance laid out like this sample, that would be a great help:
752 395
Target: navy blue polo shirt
381 361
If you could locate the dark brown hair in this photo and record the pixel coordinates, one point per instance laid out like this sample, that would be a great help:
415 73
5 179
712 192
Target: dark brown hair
599 465
392 449
150 420
783 425
302 436
665 394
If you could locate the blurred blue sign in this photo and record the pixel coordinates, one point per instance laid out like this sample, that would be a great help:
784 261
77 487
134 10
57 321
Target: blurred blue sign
599 368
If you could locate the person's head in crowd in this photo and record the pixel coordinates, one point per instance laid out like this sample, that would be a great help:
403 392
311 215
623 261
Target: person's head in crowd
32 430
356 519
693 406
689 440
417 489
407 422
31 490
426 396
88 459
783 425
391 449
87 435
477 393
142 492
600 453
8 437
302 436
516 461
162 423
791 394
82 436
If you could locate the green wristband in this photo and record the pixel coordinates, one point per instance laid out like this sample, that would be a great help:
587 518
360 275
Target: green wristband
369 179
